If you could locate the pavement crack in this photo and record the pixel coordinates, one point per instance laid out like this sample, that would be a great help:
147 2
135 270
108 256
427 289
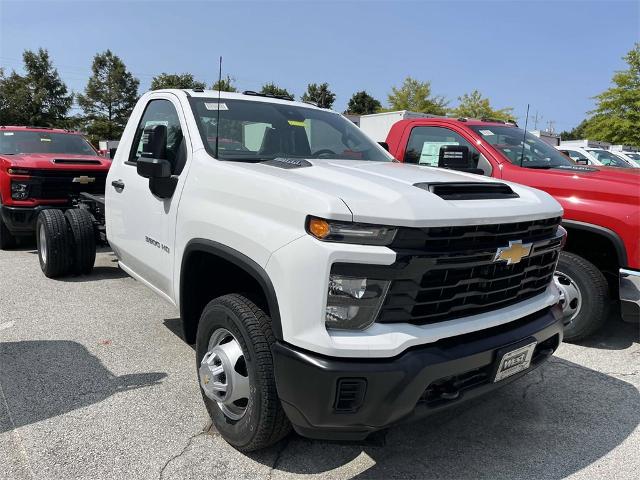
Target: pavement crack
182 452
533 384
283 447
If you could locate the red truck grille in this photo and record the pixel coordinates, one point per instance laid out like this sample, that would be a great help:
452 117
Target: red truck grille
54 185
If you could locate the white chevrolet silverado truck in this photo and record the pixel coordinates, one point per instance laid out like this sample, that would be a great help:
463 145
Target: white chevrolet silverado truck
326 286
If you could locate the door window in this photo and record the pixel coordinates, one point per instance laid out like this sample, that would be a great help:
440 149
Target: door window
425 143
161 112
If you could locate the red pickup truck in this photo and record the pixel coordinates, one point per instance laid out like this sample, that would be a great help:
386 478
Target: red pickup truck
601 206
43 168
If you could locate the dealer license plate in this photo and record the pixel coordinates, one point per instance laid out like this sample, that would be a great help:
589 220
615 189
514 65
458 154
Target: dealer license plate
514 361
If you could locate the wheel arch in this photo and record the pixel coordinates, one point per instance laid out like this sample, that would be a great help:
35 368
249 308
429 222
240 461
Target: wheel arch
596 231
236 273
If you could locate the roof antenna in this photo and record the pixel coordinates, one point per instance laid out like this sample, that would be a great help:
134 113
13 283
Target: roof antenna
524 135
218 119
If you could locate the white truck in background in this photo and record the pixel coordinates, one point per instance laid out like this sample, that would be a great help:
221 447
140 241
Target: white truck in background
325 285
591 152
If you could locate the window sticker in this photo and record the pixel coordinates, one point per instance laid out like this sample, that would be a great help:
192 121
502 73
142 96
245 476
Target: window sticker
44 139
8 133
431 152
486 133
296 123
214 106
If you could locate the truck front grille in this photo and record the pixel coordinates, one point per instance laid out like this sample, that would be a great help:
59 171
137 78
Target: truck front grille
58 185
447 273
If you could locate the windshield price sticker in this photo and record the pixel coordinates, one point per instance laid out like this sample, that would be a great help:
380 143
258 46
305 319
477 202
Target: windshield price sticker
486 133
296 123
8 133
214 106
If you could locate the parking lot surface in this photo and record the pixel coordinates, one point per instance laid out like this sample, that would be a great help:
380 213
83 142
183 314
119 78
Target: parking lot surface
97 383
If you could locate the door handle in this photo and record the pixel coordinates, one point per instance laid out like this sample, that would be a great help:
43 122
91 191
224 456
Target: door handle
118 184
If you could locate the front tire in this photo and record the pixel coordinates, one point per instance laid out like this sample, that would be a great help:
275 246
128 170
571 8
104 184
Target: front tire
54 241
584 296
236 374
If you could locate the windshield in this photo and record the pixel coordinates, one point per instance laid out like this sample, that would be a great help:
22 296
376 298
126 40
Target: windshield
254 131
535 154
608 159
18 142
633 156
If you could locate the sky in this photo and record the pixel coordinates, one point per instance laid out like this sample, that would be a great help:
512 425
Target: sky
554 56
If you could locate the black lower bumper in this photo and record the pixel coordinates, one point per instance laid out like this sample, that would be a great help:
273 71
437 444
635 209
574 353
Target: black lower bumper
347 399
21 220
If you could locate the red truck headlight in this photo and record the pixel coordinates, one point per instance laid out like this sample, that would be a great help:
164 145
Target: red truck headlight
20 190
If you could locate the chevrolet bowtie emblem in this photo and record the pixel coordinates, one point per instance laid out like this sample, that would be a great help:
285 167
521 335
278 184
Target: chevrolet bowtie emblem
515 252
84 180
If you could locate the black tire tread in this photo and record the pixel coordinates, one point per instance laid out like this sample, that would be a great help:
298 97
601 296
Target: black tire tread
58 242
84 240
595 296
275 424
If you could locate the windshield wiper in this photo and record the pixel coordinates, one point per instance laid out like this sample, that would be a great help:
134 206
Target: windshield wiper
541 167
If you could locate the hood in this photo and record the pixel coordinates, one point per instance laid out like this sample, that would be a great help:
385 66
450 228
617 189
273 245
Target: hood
611 184
385 193
47 161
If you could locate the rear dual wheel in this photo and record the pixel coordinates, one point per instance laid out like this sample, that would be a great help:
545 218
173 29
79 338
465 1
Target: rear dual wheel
66 242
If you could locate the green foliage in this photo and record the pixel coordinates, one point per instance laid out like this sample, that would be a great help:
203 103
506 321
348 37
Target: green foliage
39 97
272 89
319 94
577 133
175 80
474 105
416 96
616 118
225 85
361 103
109 97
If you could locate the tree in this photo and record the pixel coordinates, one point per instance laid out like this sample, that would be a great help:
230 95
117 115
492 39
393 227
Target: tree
416 96
319 94
39 97
617 114
473 105
175 80
361 103
272 89
225 85
576 133
109 97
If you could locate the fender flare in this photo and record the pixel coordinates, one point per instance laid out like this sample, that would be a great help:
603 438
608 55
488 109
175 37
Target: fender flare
243 262
610 235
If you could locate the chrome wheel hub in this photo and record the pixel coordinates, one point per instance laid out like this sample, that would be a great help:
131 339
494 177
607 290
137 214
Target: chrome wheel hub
43 244
223 374
570 296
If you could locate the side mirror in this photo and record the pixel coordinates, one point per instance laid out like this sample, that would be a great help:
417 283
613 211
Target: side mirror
454 157
384 145
112 152
153 167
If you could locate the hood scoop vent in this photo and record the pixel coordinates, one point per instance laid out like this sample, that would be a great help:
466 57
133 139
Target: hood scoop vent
75 161
288 163
469 190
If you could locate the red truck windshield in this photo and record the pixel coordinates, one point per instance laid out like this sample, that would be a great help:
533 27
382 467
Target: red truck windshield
15 142
509 141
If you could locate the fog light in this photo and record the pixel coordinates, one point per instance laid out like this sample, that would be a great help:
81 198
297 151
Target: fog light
19 191
353 303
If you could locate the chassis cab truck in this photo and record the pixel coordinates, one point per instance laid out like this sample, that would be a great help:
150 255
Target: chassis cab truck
326 286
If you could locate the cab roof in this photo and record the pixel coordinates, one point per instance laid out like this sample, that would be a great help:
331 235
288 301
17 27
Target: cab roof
25 128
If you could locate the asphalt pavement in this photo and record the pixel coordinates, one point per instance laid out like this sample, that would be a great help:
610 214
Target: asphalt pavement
97 383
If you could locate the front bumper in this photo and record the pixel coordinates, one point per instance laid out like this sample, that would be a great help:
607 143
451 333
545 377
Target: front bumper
21 220
630 295
341 398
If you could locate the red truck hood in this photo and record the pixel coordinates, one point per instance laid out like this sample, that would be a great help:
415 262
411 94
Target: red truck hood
58 161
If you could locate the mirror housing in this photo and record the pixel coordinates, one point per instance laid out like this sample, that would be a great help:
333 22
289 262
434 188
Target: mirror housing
112 152
457 157
153 167
384 145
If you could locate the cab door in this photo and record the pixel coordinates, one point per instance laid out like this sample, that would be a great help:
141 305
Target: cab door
141 225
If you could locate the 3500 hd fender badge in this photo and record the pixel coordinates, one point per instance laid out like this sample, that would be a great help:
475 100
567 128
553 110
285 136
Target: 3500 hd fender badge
156 243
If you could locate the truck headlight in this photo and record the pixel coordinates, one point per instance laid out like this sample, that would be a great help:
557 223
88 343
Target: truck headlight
353 303
19 191
350 232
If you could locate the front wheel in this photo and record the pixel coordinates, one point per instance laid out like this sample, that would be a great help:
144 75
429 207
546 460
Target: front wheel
236 374
584 296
